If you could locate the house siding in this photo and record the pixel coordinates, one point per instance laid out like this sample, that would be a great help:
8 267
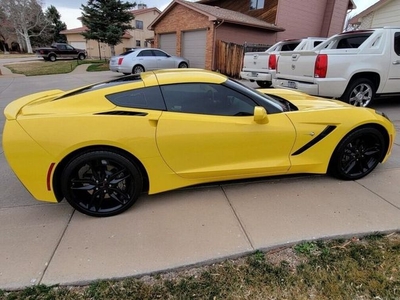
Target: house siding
300 19
239 35
388 15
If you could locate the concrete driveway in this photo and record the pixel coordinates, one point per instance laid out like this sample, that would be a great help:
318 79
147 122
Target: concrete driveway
42 243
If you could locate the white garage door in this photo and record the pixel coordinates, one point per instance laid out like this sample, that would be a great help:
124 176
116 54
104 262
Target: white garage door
79 45
168 43
194 48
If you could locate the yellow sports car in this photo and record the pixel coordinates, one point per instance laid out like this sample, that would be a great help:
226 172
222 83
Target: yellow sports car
102 145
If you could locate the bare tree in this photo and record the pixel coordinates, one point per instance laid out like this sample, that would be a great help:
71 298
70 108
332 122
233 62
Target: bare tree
26 16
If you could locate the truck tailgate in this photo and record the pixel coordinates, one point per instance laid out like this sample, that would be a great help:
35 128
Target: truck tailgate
256 61
296 66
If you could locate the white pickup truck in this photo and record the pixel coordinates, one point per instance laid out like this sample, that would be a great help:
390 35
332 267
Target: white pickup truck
354 66
260 66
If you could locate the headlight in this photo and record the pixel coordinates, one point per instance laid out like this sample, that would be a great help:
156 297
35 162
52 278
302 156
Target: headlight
382 114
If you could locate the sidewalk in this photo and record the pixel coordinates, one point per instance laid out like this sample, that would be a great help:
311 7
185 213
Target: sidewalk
42 243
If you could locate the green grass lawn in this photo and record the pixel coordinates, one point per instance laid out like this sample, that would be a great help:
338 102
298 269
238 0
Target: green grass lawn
58 67
365 268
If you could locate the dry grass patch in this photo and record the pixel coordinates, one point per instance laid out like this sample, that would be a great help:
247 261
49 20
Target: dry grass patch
367 268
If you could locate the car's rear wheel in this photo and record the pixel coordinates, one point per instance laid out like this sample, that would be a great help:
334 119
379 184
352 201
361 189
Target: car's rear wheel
264 84
183 65
101 183
137 69
81 56
357 154
360 92
52 57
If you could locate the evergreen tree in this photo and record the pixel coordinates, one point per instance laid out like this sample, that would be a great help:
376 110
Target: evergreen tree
107 20
57 25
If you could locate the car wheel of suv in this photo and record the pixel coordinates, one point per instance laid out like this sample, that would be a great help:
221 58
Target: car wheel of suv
81 56
101 183
52 57
359 92
357 154
264 84
137 69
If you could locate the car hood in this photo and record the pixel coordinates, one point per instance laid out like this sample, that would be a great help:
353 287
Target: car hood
320 104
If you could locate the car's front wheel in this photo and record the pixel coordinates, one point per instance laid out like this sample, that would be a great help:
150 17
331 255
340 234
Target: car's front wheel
183 65
101 183
81 56
137 69
357 154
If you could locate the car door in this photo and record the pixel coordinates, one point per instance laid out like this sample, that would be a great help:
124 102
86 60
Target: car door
208 131
146 59
164 61
393 82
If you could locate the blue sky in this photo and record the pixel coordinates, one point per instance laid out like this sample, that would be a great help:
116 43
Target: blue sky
70 10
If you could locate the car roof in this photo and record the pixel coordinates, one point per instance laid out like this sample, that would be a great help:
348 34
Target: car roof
189 75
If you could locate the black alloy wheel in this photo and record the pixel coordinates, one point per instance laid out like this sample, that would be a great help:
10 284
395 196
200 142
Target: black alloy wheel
101 183
183 65
264 84
357 154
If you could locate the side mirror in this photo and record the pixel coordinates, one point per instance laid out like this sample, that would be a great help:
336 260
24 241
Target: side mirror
260 115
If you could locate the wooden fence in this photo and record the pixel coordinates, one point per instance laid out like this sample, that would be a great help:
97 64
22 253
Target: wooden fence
229 58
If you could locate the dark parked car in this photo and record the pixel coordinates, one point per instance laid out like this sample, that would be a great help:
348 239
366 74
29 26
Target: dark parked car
61 50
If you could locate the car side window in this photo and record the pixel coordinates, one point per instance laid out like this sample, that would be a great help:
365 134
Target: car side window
159 53
206 98
147 98
397 43
145 53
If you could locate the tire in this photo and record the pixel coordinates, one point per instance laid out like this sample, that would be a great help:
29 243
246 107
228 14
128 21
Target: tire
264 84
137 69
359 92
183 65
52 57
81 56
101 183
357 154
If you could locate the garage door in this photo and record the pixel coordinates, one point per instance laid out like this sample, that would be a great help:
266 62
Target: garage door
168 43
79 45
194 48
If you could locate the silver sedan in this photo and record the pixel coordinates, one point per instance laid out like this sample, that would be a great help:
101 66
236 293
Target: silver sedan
145 59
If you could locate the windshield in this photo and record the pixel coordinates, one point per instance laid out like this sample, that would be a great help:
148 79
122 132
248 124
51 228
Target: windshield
270 104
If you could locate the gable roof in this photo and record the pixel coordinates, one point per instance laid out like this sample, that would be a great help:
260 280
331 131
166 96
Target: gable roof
372 8
215 13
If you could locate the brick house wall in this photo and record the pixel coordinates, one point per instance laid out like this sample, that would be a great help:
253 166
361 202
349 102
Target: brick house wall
181 19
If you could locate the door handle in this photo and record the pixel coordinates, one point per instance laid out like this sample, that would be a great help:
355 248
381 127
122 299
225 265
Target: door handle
396 62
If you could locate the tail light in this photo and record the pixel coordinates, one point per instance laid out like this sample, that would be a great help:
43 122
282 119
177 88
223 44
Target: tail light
272 62
321 66
120 60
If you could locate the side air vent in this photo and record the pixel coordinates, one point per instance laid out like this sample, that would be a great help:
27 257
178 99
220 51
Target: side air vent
123 113
317 139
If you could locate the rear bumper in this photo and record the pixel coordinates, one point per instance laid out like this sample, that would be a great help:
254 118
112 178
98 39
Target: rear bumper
256 76
308 88
30 162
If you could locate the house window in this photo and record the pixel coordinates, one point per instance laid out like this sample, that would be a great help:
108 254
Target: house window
138 24
256 4
137 43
